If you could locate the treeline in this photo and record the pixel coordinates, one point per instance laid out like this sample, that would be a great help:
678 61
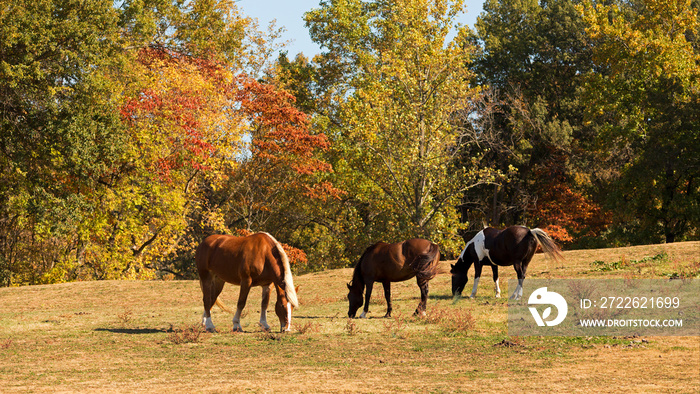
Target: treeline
131 130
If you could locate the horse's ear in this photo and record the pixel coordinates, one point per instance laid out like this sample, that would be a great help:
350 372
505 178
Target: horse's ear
348 285
452 265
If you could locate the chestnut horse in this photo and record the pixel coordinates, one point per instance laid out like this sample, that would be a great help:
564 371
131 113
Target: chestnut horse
254 260
513 246
386 263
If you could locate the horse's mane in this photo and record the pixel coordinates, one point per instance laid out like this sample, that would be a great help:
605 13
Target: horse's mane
357 278
289 289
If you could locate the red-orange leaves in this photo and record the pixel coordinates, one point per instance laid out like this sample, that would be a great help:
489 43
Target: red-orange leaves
278 125
281 135
180 111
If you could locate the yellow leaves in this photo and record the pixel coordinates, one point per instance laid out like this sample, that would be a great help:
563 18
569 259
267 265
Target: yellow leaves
654 39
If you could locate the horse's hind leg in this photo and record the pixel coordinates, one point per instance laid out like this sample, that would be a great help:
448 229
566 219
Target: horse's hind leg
520 271
423 284
242 298
495 280
263 307
211 288
368 294
387 295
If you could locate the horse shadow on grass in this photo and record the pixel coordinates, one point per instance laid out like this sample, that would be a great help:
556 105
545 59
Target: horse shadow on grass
135 331
440 297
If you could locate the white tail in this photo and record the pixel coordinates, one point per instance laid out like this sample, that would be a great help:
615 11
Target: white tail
549 247
289 289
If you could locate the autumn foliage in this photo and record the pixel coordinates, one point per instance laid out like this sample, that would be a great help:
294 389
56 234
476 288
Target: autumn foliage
131 130
281 136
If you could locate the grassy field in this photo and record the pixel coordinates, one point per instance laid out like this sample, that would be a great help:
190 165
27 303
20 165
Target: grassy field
145 336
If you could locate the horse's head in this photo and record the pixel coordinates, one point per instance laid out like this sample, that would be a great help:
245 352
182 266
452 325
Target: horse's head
355 298
283 309
459 276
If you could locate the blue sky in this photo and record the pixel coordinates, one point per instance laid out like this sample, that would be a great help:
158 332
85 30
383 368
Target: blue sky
289 13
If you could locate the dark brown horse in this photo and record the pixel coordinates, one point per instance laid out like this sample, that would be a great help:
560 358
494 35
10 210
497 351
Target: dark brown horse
386 263
255 260
513 246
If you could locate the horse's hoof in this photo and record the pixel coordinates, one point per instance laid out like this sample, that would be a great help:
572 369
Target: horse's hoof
211 329
419 313
498 295
237 329
363 315
387 316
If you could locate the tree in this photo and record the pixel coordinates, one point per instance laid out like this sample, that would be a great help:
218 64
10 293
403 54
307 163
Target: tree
282 165
646 100
59 126
117 120
400 98
534 57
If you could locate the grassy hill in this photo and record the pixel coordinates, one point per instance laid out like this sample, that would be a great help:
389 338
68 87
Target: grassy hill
124 336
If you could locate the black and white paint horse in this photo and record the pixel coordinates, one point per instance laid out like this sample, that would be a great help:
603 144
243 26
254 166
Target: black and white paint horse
513 246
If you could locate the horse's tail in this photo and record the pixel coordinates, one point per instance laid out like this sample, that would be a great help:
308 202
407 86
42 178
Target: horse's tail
426 264
223 306
289 289
549 247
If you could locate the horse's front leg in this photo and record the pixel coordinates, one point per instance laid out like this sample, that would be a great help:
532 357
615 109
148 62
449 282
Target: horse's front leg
368 294
423 285
520 271
477 275
263 307
495 280
242 298
387 295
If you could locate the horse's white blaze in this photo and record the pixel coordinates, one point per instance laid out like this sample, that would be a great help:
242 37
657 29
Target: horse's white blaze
498 289
476 283
207 323
289 316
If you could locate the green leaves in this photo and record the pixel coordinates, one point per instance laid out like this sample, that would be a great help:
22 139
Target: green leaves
646 100
399 123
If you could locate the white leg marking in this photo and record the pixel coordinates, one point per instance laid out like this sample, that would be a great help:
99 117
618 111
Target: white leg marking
498 290
518 293
289 317
237 321
363 315
476 283
263 320
207 323
520 288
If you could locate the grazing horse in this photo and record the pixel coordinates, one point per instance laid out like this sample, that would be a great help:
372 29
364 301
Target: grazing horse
254 260
513 246
386 263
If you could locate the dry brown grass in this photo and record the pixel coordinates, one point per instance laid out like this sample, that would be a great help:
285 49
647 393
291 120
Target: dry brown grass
144 336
